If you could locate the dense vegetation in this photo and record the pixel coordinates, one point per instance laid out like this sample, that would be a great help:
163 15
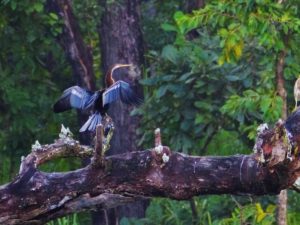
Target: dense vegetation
209 81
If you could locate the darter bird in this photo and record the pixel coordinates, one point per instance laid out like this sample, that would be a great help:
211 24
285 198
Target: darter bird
97 102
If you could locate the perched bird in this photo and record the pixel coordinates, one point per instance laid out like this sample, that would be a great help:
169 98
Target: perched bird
297 93
97 102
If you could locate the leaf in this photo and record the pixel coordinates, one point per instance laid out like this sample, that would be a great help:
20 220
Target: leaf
237 49
185 76
285 17
149 81
188 81
223 32
53 16
240 117
178 16
232 77
176 89
265 104
200 84
260 214
271 208
202 105
31 37
221 60
285 29
167 77
38 7
185 125
161 91
199 119
13 5
181 21
168 27
170 53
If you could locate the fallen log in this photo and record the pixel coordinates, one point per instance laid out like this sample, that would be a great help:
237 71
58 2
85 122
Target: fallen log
35 197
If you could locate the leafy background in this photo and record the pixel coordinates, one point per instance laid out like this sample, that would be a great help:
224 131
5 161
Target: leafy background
209 81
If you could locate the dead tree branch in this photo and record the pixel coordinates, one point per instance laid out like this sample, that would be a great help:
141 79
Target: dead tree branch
35 197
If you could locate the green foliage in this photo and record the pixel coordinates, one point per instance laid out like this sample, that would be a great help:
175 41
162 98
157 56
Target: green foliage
184 115
166 212
240 22
32 68
262 107
33 72
250 214
195 91
210 89
68 220
62 165
209 212
210 83
226 142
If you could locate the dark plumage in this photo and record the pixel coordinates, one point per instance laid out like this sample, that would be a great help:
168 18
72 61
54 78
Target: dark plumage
97 102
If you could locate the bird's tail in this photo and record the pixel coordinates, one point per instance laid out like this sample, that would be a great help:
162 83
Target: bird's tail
91 123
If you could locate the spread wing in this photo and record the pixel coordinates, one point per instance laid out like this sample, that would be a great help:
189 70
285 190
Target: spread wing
75 97
120 90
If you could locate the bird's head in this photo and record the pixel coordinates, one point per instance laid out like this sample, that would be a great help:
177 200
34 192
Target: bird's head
117 66
109 75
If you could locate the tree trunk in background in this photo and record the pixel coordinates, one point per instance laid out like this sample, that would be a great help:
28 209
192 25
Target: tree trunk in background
122 42
282 197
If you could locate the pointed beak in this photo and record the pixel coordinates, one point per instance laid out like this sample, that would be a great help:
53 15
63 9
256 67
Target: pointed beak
122 65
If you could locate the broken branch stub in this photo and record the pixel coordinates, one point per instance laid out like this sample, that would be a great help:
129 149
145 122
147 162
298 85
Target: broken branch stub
279 146
162 152
157 137
98 153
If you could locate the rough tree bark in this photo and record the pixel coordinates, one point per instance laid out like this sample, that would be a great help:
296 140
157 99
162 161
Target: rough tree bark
122 42
35 197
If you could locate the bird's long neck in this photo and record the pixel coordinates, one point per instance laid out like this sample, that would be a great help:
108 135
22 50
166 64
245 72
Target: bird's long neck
109 80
